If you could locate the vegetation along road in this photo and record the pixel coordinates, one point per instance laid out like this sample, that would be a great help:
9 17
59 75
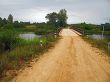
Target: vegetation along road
71 60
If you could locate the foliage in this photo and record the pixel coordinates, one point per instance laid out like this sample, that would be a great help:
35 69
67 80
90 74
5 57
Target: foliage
107 26
8 26
43 29
101 44
7 38
5 21
92 28
26 51
58 19
52 17
62 18
17 24
10 18
14 51
1 22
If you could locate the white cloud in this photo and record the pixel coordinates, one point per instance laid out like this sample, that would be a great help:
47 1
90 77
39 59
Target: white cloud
93 11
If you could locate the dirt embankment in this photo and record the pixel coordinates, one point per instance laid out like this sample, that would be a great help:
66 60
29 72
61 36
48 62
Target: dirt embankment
71 60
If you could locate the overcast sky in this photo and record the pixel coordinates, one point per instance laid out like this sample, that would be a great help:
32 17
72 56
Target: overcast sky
90 11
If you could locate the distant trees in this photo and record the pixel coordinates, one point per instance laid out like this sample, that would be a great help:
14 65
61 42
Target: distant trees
10 18
18 24
9 23
58 19
0 22
5 21
107 26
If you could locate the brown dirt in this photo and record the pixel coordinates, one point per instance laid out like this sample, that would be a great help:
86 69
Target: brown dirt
71 60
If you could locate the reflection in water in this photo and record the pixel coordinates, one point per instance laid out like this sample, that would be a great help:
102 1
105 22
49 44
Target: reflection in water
99 37
29 36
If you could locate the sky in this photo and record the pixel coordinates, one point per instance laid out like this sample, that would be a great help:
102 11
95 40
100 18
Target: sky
89 11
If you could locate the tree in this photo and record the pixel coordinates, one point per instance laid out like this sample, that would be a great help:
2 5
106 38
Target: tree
62 18
16 24
22 24
10 18
52 18
107 26
1 22
4 21
58 19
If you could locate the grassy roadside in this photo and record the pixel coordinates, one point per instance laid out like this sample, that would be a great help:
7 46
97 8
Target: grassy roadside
11 62
101 44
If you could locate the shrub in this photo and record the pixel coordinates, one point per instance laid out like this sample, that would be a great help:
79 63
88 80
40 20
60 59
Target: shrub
8 26
44 29
7 39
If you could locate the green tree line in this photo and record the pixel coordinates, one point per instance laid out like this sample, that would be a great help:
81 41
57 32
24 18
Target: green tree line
10 23
93 28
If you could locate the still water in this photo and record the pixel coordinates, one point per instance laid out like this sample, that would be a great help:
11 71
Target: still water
29 36
99 37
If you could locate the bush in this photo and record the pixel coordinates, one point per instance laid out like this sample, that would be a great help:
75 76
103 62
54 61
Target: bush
8 26
44 29
25 51
7 39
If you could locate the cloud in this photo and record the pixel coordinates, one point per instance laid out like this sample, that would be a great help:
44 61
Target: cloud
91 11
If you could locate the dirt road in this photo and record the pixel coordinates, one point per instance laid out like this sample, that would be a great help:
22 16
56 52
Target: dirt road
71 60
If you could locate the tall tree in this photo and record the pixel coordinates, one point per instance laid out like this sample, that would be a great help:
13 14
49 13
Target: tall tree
52 18
58 19
1 22
4 21
62 18
10 18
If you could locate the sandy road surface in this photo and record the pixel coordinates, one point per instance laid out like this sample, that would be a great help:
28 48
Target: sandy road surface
71 60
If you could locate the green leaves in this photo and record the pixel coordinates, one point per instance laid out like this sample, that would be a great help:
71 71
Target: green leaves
10 18
58 19
7 37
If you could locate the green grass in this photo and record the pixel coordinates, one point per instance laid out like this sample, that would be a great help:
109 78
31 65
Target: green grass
38 29
44 29
22 30
25 51
91 28
101 44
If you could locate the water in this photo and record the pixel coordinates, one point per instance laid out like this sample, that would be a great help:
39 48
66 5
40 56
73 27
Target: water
99 37
29 36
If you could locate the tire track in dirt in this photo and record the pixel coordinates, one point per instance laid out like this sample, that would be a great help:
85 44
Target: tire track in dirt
71 60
